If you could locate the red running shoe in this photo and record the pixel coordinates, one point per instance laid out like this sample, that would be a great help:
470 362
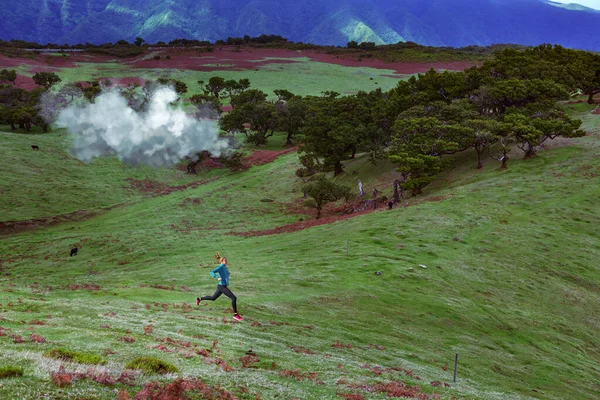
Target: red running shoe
197 301
237 317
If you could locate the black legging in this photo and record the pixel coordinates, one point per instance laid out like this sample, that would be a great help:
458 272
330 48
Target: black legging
223 290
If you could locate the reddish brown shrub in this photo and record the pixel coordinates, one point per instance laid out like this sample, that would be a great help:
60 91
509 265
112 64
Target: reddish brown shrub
313 376
61 378
301 349
162 347
223 364
17 338
249 360
127 377
37 338
340 345
36 322
126 339
148 329
181 389
123 395
108 351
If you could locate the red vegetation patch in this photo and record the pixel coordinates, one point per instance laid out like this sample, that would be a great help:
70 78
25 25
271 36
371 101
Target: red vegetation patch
16 338
395 389
301 376
243 58
148 330
25 82
329 215
179 343
303 350
37 338
126 339
249 361
127 81
156 188
11 227
261 157
36 322
63 378
180 389
340 345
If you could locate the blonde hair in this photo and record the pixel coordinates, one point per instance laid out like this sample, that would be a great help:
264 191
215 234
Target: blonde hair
223 260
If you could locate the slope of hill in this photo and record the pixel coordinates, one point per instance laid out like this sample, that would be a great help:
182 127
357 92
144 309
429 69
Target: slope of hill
438 23
342 310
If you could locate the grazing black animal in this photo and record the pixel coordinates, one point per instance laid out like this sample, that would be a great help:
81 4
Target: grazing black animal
73 251
35 147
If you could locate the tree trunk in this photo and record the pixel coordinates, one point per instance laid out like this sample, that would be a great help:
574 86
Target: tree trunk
591 97
318 212
338 170
396 191
288 141
504 162
529 151
353 152
479 163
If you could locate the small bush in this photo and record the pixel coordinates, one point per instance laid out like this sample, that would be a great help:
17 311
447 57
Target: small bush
151 365
9 371
74 356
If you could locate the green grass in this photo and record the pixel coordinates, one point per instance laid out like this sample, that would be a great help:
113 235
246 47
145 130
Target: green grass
512 280
151 365
304 77
74 356
9 371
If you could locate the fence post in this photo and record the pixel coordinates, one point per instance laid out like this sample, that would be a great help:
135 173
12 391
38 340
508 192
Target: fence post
455 365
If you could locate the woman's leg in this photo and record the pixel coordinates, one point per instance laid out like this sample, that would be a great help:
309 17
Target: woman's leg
225 290
214 296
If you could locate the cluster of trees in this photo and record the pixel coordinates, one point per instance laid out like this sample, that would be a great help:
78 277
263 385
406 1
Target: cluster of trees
20 108
511 100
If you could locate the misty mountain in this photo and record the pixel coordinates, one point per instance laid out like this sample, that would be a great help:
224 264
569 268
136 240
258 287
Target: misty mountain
453 23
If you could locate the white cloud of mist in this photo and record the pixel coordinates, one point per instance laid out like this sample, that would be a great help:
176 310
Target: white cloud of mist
160 136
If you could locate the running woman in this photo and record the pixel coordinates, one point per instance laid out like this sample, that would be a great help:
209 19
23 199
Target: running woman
222 274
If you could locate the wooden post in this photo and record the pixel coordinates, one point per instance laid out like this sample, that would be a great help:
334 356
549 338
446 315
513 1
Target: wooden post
455 365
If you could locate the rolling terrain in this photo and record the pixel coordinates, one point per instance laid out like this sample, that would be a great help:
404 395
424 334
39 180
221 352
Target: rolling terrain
340 310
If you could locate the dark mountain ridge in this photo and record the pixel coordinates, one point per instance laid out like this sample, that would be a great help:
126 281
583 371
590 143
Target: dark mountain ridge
454 23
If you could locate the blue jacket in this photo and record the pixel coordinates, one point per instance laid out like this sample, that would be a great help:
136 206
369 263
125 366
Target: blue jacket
223 274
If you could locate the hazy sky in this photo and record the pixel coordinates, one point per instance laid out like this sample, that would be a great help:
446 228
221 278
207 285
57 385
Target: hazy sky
588 3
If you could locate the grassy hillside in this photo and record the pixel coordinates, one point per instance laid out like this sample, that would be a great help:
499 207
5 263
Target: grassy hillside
512 280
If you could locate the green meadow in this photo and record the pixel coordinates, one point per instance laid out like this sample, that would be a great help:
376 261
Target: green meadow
302 77
499 267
